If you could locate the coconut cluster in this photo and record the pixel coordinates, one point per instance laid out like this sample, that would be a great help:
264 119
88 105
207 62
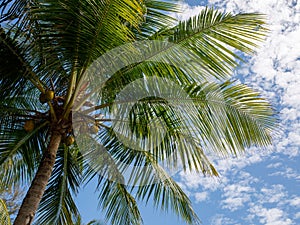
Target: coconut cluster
67 129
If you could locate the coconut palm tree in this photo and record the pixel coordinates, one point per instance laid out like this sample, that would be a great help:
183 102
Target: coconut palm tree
68 118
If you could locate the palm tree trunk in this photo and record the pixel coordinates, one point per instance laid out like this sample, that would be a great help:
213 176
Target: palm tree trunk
35 193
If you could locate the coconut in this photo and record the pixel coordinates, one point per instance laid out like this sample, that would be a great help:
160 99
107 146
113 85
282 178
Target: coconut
70 140
29 125
49 95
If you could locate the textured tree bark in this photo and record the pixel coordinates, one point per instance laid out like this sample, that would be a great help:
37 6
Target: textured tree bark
38 185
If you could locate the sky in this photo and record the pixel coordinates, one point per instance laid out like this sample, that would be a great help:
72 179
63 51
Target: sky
262 186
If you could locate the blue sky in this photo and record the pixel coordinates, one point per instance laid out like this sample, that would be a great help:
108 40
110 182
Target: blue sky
263 186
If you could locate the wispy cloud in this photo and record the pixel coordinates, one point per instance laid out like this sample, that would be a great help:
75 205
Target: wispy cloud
295 202
236 197
201 196
287 172
221 219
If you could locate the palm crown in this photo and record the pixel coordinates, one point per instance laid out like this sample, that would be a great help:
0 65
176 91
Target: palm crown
47 51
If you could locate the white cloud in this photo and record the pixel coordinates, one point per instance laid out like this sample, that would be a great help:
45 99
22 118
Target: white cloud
274 194
287 172
193 181
295 202
273 216
201 196
236 196
188 11
297 215
223 220
274 165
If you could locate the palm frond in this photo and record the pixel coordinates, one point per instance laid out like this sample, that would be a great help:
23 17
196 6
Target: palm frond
236 117
119 204
15 142
117 166
115 200
148 179
215 36
4 216
20 153
225 118
201 49
166 193
157 17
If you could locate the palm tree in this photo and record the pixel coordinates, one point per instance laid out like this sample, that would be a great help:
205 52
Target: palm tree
48 53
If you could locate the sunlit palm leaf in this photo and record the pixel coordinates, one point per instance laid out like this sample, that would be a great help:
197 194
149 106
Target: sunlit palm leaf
236 117
120 205
156 18
4 216
214 36
205 47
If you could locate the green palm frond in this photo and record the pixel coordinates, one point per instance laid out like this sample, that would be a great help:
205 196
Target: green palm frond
215 36
176 144
85 34
142 171
236 117
157 17
58 205
148 179
14 140
4 216
204 48
225 118
14 145
167 195
20 153
120 205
